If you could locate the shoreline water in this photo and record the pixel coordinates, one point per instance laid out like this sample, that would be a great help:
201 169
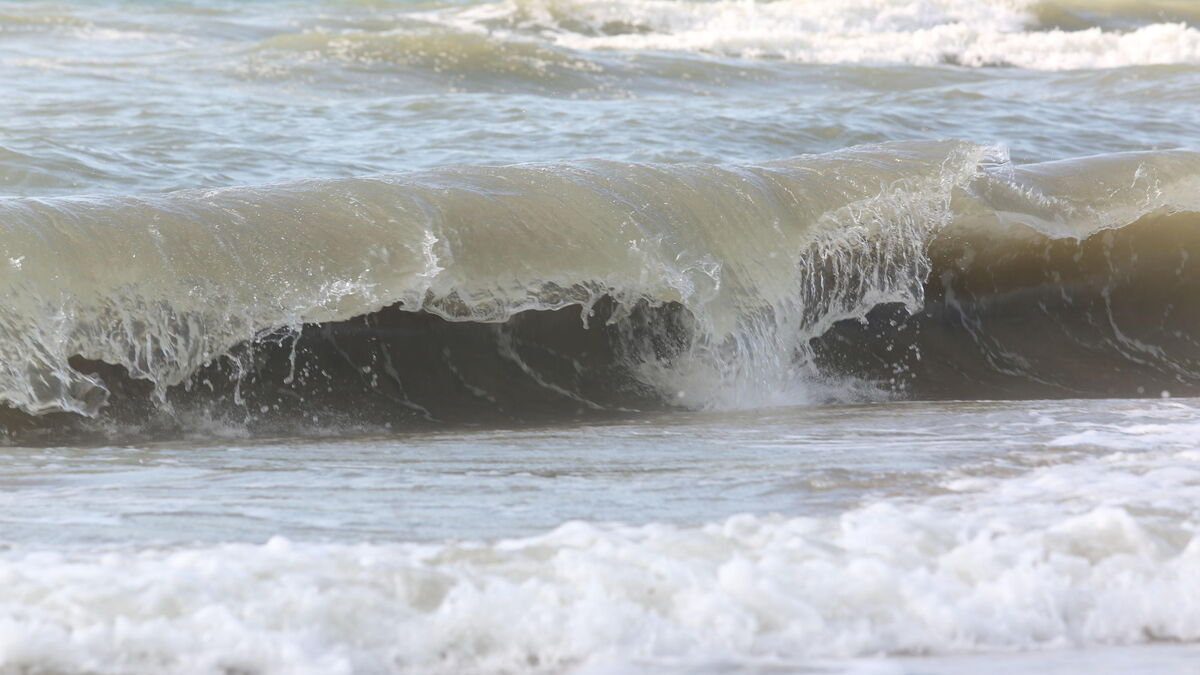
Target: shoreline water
566 336
893 528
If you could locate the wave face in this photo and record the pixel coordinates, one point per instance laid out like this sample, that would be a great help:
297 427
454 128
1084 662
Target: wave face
533 291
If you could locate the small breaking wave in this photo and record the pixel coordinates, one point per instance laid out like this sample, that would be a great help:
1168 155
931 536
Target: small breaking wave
1042 36
589 45
567 45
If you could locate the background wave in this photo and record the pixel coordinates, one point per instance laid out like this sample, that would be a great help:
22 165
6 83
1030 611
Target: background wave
1043 36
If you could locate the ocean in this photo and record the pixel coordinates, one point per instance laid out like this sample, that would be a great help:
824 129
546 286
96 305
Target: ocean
599 337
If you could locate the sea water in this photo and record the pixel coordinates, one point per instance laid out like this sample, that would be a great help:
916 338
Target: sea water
639 336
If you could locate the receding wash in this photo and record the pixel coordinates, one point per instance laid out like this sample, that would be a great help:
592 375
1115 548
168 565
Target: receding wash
599 337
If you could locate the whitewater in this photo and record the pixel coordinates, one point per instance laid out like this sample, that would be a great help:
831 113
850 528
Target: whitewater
599 337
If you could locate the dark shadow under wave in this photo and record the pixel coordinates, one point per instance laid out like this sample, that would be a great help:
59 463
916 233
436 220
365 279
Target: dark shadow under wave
393 370
1015 314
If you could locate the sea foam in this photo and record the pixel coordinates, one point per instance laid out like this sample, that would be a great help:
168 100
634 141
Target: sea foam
917 32
1077 550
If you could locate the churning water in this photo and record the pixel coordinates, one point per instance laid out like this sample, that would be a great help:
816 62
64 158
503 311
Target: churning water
554 336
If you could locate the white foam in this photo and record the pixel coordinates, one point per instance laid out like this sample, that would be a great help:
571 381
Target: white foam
1102 551
1133 437
918 32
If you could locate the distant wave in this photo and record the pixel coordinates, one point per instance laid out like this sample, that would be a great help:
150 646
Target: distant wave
556 45
926 269
1045 36
565 45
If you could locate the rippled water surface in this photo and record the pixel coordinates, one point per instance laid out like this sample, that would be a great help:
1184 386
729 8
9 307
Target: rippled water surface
896 528
134 97
599 336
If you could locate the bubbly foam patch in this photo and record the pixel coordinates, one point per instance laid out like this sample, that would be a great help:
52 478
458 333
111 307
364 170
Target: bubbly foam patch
1079 550
758 259
917 32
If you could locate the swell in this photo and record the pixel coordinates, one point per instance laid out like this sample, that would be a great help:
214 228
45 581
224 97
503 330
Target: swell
540 292
432 56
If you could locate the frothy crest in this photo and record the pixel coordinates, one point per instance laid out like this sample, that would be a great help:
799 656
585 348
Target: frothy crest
1043 36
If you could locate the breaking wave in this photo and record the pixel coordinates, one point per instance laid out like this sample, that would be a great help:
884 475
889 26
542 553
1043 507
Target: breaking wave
531 292
1057 35
595 45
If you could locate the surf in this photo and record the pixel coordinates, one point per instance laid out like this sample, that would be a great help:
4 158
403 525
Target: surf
550 291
